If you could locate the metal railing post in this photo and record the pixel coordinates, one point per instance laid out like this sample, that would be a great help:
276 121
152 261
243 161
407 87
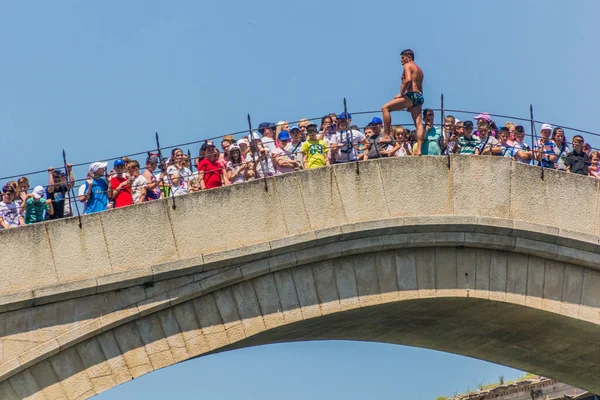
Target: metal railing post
67 173
532 141
163 169
252 150
351 137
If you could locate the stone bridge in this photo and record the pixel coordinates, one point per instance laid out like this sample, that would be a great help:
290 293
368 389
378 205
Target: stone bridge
482 259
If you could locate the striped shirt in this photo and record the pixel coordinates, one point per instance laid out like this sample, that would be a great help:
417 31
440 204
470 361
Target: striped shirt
467 145
548 148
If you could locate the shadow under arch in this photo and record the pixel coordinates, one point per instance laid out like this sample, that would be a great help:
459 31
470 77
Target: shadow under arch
516 336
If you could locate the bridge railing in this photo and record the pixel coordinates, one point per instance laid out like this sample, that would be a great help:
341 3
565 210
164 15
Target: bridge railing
35 178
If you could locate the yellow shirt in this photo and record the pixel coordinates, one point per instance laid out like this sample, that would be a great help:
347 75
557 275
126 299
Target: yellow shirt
315 151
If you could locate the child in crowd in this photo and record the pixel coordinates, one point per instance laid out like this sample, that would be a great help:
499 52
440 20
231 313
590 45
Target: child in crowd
545 148
35 205
489 145
314 150
400 134
577 162
119 190
593 169
562 148
136 182
521 151
467 143
10 216
236 167
96 189
507 151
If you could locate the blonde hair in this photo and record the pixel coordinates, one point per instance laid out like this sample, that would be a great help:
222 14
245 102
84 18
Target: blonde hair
279 128
510 125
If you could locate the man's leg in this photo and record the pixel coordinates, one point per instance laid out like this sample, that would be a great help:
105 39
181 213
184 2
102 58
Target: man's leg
417 116
397 104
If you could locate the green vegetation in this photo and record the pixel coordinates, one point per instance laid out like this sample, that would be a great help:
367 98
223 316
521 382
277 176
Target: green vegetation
491 386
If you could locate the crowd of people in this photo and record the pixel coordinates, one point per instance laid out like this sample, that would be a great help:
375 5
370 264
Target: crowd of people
279 149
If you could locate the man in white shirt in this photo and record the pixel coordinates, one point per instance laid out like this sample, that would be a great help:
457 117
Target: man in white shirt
345 143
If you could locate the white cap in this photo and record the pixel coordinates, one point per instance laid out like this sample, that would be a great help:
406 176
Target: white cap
546 126
95 166
38 192
243 142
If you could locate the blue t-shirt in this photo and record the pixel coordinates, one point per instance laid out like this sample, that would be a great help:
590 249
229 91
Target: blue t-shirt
98 200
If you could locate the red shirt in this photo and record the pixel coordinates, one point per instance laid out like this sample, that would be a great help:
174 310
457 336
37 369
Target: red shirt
124 197
212 172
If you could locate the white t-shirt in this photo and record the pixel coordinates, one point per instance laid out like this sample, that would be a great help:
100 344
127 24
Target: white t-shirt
348 151
81 192
401 152
10 214
136 188
518 147
283 155
234 168
490 142
269 144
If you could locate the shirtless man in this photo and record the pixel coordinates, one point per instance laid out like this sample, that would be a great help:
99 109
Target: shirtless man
410 98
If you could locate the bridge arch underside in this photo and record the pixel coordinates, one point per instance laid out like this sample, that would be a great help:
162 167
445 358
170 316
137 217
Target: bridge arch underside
514 309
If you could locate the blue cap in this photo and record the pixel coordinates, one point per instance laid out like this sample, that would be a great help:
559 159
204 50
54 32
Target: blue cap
264 125
344 115
295 127
284 135
118 162
376 121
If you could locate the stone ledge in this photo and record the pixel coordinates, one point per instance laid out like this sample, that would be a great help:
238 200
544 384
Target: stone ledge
286 252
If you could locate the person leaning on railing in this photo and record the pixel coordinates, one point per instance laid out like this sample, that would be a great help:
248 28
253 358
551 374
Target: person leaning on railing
314 150
57 190
96 189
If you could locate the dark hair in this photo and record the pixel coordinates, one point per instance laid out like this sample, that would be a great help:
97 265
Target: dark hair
425 111
519 129
564 141
579 137
7 189
324 118
468 124
133 163
409 53
504 129
172 159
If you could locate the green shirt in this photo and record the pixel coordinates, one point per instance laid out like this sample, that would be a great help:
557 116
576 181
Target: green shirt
431 144
34 210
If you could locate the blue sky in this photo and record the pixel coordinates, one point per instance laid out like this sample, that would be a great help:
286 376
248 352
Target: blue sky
99 78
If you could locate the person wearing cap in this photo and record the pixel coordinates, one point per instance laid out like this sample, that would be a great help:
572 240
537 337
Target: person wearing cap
295 145
268 132
96 189
153 191
346 141
410 98
10 215
314 149
545 149
119 188
236 166
35 206
467 143
283 159
489 145
57 190
380 145
210 172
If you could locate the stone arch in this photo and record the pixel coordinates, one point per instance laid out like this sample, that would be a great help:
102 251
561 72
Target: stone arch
516 304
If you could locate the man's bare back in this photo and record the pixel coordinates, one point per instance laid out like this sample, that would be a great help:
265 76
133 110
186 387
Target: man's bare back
410 98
